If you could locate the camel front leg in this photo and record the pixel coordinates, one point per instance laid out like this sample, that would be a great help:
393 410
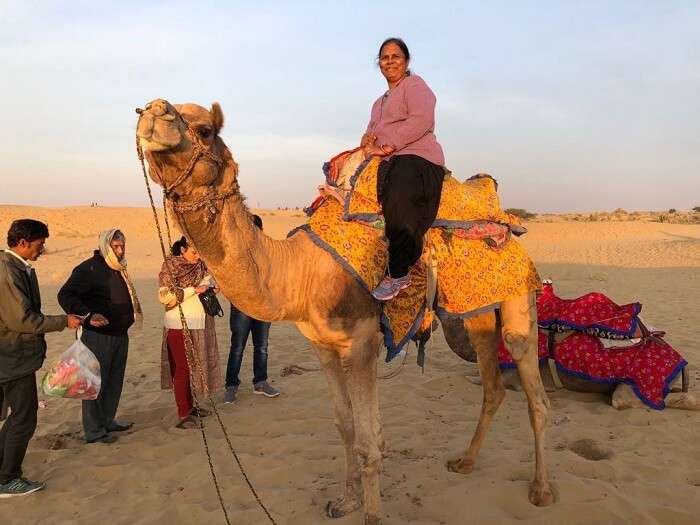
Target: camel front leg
483 336
519 318
360 369
351 499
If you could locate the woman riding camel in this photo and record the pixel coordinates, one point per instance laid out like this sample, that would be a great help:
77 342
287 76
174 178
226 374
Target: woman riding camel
401 131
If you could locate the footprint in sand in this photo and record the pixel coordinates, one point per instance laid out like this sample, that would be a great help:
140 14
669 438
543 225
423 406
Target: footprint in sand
60 441
694 479
590 449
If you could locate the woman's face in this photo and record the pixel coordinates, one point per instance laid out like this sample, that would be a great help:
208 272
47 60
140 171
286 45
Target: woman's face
392 62
190 254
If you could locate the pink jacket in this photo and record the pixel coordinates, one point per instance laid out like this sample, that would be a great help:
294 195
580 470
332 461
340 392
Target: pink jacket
404 117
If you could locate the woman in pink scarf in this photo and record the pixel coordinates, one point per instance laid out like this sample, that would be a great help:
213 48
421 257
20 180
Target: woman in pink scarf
182 278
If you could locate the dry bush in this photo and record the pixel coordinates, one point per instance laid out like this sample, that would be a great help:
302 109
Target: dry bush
519 212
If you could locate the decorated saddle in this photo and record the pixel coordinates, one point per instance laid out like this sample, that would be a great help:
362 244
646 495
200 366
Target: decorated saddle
605 343
470 257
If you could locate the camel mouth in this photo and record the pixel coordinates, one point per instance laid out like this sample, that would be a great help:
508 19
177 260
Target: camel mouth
158 129
153 146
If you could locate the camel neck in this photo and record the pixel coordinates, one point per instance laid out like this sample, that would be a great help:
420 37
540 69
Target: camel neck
244 261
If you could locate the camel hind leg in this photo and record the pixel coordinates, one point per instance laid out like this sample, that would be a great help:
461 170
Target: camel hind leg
519 318
483 337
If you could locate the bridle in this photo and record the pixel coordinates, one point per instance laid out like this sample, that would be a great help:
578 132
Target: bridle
200 151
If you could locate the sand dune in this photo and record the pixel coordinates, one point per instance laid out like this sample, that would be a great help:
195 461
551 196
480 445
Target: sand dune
650 466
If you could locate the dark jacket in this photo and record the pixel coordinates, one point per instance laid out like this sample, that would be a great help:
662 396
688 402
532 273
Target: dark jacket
94 288
22 325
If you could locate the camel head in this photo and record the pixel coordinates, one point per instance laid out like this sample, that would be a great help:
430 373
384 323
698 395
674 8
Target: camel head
185 154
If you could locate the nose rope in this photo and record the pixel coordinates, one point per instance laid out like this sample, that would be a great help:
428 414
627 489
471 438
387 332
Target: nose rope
190 354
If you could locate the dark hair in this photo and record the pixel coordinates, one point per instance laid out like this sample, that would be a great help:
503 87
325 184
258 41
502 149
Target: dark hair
27 229
257 221
178 246
395 40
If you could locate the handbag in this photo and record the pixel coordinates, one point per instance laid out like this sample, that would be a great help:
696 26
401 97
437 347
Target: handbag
211 304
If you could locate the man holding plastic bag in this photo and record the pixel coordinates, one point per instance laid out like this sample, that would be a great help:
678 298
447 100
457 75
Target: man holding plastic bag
100 290
22 349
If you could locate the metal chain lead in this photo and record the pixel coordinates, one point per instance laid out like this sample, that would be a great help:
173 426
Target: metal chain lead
192 358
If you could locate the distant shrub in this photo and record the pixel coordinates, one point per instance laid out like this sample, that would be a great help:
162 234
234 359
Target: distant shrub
620 211
661 218
592 217
696 209
523 214
672 210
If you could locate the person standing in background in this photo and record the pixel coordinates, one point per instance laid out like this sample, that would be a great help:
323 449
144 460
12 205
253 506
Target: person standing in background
241 326
182 279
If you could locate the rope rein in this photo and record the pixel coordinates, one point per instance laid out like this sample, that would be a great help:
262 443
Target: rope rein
190 354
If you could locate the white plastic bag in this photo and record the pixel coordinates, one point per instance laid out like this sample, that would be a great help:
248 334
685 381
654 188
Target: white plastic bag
76 375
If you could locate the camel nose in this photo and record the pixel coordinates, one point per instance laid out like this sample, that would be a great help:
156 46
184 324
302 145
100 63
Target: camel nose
158 108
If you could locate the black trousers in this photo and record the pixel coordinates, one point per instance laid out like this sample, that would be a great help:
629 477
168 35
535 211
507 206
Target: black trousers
409 188
20 396
111 351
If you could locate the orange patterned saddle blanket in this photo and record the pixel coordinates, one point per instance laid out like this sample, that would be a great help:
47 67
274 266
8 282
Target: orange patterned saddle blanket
470 249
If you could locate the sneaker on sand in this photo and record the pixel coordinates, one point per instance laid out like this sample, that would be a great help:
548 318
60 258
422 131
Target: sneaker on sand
20 487
264 388
390 287
230 394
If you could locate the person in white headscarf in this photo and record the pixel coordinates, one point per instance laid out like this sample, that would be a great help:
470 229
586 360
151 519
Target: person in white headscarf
100 290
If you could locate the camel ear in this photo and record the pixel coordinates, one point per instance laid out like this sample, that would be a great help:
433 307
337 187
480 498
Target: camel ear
217 116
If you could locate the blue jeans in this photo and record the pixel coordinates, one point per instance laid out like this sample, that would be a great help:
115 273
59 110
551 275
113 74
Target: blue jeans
241 325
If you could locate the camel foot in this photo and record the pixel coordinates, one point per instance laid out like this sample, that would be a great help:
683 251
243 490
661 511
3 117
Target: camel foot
460 465
342 506
540 494
683 400
371 519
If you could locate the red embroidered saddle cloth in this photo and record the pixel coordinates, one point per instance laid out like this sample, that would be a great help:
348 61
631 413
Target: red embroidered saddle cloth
649 366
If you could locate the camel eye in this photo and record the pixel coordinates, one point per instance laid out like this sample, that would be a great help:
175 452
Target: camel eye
204 132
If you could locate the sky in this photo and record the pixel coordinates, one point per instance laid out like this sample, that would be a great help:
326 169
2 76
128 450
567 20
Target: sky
571 105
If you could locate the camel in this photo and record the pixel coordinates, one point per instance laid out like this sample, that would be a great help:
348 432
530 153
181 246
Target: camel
621 395
295 280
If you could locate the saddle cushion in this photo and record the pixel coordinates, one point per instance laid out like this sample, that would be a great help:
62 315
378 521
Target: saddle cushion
478 263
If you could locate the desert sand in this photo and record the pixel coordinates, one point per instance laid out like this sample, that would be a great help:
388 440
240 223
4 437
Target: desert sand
291 450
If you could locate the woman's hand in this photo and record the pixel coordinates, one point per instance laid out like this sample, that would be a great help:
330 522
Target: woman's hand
379 151
368 139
